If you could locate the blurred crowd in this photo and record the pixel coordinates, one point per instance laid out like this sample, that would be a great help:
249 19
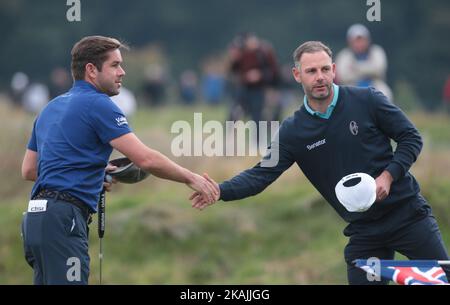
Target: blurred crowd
247 76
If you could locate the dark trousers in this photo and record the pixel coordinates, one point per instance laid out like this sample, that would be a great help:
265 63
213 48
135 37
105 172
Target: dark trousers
409 229
56 244
253 101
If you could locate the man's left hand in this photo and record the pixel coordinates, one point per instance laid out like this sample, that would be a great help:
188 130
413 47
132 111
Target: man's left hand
383 183
108 185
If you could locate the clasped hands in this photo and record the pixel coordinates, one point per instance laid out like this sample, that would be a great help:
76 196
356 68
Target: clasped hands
201 200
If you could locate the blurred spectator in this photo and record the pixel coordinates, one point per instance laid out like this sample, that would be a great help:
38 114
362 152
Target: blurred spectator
213 83
35 97
19 84
234 85
446 95
362 63
273 105
155 84
253 69
188 87
126 101
60 82
278 100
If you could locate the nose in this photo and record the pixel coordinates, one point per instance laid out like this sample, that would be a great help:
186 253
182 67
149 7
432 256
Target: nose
319 76
121 71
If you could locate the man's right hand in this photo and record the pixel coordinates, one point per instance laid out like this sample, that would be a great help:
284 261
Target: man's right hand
205 187
199 201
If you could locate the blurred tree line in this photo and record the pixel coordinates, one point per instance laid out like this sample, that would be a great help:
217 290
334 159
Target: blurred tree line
36 35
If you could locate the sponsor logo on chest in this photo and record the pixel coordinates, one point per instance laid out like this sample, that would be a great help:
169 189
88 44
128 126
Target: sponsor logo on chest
316 144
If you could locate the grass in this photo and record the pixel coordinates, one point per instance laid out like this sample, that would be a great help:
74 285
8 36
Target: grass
285 235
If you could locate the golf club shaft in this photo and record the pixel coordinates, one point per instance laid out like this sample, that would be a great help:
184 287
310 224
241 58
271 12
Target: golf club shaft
100 256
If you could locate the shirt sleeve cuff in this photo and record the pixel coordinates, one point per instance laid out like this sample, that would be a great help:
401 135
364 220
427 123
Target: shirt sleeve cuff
395 170
223 192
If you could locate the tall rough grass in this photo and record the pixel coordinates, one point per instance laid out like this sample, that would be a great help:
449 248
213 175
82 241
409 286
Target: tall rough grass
286 235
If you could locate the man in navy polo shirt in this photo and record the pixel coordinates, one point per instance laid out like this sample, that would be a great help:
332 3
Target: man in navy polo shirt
71 142
342 130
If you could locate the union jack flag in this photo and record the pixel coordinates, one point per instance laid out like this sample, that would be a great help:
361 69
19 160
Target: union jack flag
413 272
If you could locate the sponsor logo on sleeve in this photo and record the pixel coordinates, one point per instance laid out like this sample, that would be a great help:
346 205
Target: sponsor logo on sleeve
121 120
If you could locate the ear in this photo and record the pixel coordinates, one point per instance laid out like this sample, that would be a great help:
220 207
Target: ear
91 70
296 73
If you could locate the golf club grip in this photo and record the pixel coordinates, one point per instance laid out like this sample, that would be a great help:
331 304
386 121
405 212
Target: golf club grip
101 214
101 207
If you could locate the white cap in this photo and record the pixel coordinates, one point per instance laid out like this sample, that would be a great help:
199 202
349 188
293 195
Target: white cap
359 197
358 30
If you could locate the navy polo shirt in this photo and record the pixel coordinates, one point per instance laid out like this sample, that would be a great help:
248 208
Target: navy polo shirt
71 137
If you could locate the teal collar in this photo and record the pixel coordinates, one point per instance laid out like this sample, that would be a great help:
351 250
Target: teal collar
330 108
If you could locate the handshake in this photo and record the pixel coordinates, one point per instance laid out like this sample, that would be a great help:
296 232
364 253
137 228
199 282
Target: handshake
123 170
206 193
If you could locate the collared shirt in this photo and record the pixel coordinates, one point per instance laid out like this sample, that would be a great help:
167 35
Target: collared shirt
330 108
71 137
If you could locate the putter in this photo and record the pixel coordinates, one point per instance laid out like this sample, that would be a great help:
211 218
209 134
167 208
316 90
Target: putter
126 172
101 207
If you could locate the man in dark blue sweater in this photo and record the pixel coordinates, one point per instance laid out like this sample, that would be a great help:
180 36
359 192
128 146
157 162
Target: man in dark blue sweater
343 130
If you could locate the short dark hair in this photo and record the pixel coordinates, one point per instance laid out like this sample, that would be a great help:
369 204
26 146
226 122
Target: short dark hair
92 49
310 47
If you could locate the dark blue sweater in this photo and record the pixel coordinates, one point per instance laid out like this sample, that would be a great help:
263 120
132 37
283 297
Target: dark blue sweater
356 138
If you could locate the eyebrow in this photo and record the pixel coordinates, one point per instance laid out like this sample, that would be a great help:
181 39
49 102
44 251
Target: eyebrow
313 68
